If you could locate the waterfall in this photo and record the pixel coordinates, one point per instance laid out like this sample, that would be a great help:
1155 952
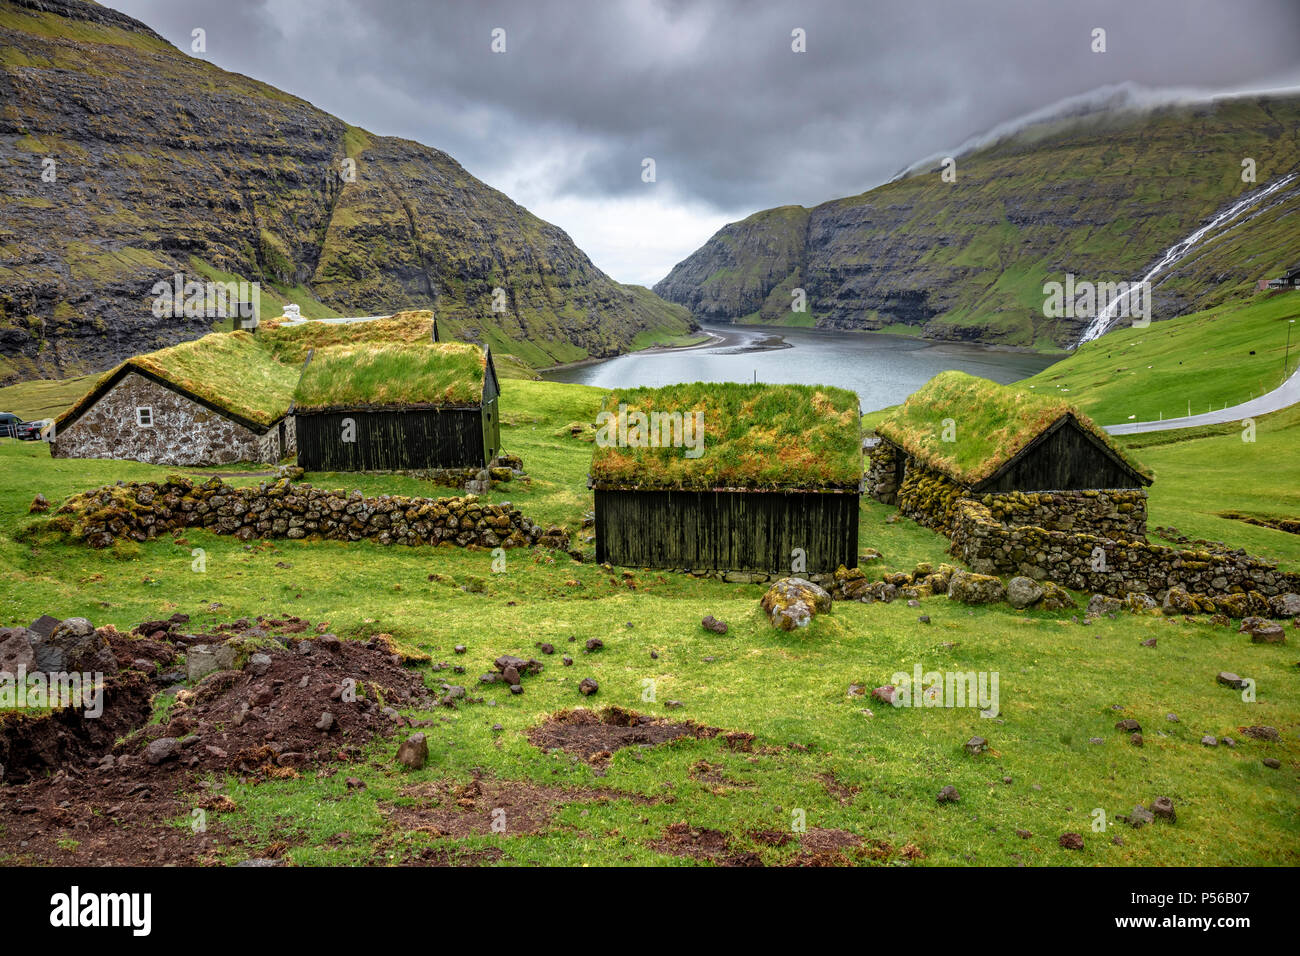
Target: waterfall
1180 249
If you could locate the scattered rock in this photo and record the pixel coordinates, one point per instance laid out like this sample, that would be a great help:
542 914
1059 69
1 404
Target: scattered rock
1149 642
1139 817
588 687
711 623
326 722
413 752
948 795
1210 740
594 644
1272 763
1163 807
1070 841
164 748
1129 726
1262 631
976 745
1229 679
39 504
886 695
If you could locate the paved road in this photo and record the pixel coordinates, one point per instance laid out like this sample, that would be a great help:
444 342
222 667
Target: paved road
1288 393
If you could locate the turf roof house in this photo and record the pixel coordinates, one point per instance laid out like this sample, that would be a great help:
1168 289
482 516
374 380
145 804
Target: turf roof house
1033 459
779 468
212 401
402 407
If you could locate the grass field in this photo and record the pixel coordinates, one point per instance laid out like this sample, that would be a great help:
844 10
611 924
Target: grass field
848 763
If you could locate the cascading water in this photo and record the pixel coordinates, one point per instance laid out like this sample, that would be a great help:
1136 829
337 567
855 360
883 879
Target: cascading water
1179 249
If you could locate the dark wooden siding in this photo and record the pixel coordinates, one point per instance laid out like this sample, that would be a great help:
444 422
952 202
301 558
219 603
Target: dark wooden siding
393 440
1067 459
728 531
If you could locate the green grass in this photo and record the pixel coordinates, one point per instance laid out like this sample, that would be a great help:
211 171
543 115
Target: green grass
291 343
1058 681
229 369
968 427
44 397
1208 360
749 436
361 376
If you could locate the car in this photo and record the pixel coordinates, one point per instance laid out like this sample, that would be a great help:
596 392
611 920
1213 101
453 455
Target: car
33 431
9 423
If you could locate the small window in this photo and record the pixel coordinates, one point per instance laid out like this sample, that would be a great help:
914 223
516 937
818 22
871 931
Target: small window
144 416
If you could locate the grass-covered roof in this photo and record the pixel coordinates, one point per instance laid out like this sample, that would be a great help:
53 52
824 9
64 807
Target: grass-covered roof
227 370
365 376
291 343
990 425
752 437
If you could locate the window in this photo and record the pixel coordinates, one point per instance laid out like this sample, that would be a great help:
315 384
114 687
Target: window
144 416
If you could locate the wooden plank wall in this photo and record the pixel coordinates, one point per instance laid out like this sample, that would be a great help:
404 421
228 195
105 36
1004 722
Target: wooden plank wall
730 531
392 441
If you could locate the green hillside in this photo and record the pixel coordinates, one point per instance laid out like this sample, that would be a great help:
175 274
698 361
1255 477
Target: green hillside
1099 196
165 164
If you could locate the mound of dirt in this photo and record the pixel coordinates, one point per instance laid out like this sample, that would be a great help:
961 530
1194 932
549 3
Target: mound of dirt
594 735
108 789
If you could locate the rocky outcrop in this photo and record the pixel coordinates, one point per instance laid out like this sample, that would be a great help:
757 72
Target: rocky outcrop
966 260
157 163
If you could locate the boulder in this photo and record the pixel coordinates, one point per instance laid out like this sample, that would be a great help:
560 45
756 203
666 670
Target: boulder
1137 603
1178 601
1285 605
1262 631
1023 592
1055 597
1100 605
17 649
970 588
75 645
164 748
413 752
793 602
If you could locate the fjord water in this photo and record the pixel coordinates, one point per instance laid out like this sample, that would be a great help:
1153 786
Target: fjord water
883 369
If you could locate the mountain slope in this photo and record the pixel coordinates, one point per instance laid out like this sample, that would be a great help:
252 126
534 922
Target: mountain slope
165 163
1101 196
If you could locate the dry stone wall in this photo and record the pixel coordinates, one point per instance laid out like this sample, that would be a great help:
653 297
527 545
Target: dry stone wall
1105 565
143 510
1111 513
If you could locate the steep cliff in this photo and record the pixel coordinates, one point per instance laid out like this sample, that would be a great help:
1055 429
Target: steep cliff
126 161
1100 196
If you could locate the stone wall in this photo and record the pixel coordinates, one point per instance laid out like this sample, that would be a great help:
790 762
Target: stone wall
1104 565
929 497
1111 513
141 511
882 472
183 432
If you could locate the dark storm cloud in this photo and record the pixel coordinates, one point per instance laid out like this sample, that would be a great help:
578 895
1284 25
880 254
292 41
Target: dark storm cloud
712 90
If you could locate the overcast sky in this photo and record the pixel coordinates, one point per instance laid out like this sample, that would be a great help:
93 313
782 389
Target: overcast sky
735 120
